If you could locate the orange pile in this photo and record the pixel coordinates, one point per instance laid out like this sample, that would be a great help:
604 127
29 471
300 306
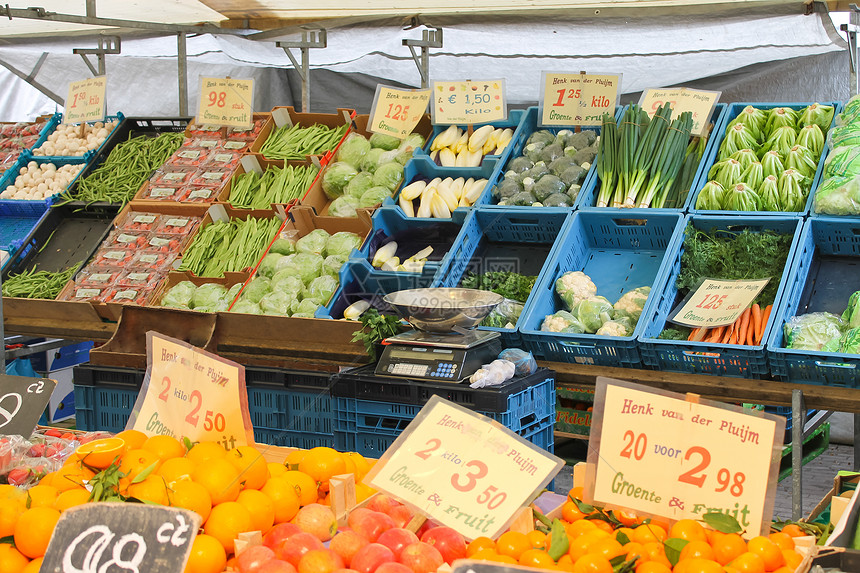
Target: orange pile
233 492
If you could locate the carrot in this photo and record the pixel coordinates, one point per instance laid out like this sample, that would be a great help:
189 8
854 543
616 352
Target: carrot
716 334
735 332
756 322
751 333
694 333
729 332
764 318
742 335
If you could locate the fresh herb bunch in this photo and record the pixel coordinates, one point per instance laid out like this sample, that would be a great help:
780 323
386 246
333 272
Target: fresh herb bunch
375 328
733 256
680 333
510 285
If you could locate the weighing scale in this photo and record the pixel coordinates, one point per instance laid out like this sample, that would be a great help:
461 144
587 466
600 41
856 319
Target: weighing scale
443 347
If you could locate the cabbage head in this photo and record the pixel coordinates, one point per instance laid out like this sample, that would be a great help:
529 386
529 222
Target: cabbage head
342 244
246 307
336 177
332 265
388 175
207 295
353 149
321 288
372 160
179 296
306 308
283 246
359 184
343 207
592 312
314 242
374 196
257 289
308 266
812 331
269 264
384 142
232 292
276 302
289 283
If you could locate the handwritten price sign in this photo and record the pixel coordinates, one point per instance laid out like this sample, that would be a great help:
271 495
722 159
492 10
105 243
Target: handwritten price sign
226 101
717 302
396 112
190 392
22 401
659 454
462 469
699 103
577 99
468 102
86 101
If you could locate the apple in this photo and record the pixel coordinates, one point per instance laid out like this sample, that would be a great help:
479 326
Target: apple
292 549
382 502
401 515
276 566
317 519
421 557
450 543
279 533
346 544
368 523
320 561
253 558
396 539
370 557
393 567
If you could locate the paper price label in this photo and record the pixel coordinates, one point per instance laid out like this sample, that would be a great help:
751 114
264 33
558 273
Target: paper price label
190 392
462 469
577 99
469 102
86 101
226 101
659 454
699 103
396 112
717 302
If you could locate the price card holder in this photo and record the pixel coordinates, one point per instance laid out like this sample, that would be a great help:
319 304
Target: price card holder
226 101
468 102
658 454
463 469
717 302
396 112
699 103
22 401
193 393
110 536
86 101
577 99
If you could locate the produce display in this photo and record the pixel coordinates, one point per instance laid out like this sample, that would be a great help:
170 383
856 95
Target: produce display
37 284
767 160
550 171
825 331
76 140
16 137
207 297
125 169
35 181
438 198
233 245
455 147
839 191
252 190
295 143
647 162
513 286
213 137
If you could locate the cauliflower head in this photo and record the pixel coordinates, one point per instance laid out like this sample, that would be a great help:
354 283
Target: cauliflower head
562 321
574 286
633 302
619 327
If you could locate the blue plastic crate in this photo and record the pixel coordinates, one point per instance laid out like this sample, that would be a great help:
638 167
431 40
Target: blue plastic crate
14 230
528 126
103 407
702 357
305 411
824 274
516 239
588 196
730 114
89 155
49 128
291 439
619 254
35 207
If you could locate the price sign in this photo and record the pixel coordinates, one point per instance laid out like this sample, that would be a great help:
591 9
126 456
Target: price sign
191 392
121 537
86 101
577 99
396 112
226 101
22 401
699 103
717 302
659 454
468 102
463 469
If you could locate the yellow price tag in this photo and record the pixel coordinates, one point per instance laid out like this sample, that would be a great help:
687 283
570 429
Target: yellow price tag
86 101
396 112
193 393
577 99
463 469
469 102
226 101
662 455
717 302
699 103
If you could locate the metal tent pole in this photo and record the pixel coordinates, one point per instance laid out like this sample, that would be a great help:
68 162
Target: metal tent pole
431 38
107 45
310 39
182 61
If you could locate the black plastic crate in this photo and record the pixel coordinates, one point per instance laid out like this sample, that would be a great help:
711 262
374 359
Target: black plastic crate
284 378
90 375
362 383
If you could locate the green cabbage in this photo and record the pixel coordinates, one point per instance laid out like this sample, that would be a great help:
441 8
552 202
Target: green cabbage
313 242
842 162
332 265
343 207
257 289
371 160
179 296
283 246
359 184
342 244
353 149
388 175
269 264
276 302
812 331
592 312
374 196
286 281
336 177
246 307
306 308
321 288
384 142
208 295
838 196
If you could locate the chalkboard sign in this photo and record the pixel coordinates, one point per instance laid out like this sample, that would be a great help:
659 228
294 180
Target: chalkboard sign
22 401
121 537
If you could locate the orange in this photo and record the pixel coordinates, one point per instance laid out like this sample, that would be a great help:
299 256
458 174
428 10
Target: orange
259 505
575 493
604 525
42 495
792 558
652 567
479 544
627 531
294 458
176 469
582 544
782 540
11 560
793 530
100 453
33 530
10 511
11 492
71 476
220 477
349 464
363 491
512 543
784 569
34 566
276 469
207 555
748 563
321 463
608 547
626 517
648 532
580 527
483 554
362 466
769 552
698 565
537 539
688 529
570 512
164 447
205 451
565 563
135 461
284 498
71 498
191 495
133 438
654 551
226 521
699 549
727 547
152 489
251 465
632 550
536 558
592 563
501 559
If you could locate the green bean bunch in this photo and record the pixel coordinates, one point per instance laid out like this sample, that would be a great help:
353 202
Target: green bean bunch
228 246
126 168
295 142
38 284
254 191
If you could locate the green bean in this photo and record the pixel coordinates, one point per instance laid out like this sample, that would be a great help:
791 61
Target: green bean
38 284
228 246
295 142
276 185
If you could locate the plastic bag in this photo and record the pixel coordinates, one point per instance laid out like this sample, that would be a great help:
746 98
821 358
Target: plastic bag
505 315
812 331
523 361
838 196
492 374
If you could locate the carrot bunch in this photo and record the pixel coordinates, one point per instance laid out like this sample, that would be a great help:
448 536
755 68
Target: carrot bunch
748 329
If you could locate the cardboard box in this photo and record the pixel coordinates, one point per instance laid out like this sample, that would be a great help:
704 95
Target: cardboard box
572 414
255 161
318 201
287 115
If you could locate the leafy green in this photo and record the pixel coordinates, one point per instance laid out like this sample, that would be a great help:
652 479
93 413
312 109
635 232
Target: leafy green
680 333
375 328
510 285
